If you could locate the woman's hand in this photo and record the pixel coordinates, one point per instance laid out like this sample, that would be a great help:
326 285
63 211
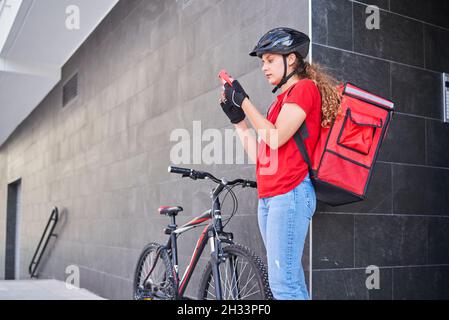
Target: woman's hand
235 94
235 114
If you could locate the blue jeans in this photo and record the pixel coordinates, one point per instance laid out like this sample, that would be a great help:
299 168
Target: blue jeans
284 222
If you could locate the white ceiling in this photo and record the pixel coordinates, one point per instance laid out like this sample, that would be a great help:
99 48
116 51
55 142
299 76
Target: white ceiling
37 46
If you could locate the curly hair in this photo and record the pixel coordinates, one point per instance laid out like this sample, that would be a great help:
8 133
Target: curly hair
328 87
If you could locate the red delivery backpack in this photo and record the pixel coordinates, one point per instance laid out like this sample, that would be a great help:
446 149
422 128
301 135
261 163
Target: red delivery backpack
343 161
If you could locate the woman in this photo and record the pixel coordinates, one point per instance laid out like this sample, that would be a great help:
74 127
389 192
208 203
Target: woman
287 198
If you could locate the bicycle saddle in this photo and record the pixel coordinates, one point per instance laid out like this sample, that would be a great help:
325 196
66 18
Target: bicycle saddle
169 210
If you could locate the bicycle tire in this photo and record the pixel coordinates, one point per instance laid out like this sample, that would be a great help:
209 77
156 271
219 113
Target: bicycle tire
207 288
162 280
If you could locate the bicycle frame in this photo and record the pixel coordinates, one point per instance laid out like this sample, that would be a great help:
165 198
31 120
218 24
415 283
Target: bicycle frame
211 233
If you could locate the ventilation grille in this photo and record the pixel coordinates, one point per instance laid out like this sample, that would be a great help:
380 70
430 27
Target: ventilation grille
70 90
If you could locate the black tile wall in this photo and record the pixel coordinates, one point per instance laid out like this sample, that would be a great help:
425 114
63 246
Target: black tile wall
411 8
436 48
434 12
438 245
396 39
368 73
437 146
403 225
429 282
416 91
420 190
333 24
384 4
409 132
333 238
350 285
390 240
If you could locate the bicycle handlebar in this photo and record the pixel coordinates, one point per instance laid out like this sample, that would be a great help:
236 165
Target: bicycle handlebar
178 170
193 174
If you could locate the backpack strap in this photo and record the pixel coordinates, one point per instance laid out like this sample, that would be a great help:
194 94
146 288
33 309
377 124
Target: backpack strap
300 141
303 150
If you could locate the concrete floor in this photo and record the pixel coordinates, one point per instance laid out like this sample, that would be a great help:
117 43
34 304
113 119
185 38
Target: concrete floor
42 290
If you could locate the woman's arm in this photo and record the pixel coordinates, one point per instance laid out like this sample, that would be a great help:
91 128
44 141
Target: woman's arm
288 122
248 139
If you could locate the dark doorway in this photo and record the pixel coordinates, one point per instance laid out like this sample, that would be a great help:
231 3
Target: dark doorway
12 258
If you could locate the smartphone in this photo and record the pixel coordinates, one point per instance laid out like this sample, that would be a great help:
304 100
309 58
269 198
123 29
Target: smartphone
225 77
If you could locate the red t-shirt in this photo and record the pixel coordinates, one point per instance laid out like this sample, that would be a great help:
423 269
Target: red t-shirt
290 169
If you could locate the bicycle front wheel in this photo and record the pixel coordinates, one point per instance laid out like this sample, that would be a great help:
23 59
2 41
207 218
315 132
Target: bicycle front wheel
243 276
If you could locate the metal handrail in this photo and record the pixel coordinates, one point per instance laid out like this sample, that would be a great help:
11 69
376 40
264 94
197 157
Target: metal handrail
54 217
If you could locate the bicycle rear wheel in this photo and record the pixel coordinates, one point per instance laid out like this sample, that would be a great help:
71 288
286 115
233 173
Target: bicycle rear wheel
160 284
243 277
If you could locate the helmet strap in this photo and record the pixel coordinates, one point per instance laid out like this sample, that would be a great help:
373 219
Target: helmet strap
285 78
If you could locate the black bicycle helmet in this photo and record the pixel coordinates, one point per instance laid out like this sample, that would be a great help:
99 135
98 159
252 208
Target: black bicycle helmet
283 41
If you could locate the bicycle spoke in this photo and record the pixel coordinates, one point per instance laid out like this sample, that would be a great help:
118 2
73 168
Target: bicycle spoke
157 284
145 271
228 282
147 267
250 294
223 284
158 277
212 294
236 281
247 282
211 286
244 267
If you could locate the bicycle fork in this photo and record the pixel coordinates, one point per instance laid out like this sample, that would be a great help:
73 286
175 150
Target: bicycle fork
217 252
219 257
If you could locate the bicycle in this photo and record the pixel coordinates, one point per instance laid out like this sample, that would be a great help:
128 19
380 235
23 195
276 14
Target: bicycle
234 272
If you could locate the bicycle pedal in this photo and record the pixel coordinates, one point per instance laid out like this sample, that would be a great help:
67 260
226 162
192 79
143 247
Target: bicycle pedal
146 294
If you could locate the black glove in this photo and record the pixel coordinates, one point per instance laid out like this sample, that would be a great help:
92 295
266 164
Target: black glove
235 94
235 114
